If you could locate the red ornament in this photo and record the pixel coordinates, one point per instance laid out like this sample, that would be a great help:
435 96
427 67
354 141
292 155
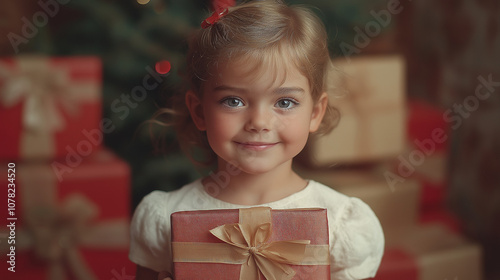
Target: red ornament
163 67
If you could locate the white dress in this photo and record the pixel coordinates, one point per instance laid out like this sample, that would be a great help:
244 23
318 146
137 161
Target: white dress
355 234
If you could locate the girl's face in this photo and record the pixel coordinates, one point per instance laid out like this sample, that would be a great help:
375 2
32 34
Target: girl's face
257 121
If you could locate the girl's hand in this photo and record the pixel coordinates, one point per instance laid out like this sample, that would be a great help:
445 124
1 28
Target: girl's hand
165 276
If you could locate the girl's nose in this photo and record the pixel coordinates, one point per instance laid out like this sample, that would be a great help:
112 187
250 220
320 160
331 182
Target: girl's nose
259 120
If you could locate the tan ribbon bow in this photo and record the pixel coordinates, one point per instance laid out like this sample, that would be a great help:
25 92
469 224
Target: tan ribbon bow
56 233
42 87
268 258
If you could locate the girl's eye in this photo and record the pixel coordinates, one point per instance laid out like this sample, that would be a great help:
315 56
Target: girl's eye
286 103
232 102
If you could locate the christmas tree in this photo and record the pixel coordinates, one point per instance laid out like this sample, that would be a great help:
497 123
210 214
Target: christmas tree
131 37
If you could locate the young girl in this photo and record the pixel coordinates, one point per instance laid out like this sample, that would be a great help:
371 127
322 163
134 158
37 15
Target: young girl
258 75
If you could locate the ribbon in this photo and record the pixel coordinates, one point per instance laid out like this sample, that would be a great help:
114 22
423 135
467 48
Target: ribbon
41 87
220 8
54 231
214 18
247 243
371 95
357 93
219 5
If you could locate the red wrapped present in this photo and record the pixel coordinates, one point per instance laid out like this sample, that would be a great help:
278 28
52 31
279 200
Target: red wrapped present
428 127
425 156
107 264
49 106
441 215
432 175
58 225
245 243
428 253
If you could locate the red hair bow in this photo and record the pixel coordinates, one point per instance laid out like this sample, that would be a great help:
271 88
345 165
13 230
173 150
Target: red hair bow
214 18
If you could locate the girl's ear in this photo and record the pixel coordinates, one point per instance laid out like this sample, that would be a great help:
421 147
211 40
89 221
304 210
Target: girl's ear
195 108
318 112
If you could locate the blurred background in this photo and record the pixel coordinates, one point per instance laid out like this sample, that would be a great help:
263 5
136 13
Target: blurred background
430 72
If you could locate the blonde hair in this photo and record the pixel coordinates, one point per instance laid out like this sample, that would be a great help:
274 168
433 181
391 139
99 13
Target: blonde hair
265 31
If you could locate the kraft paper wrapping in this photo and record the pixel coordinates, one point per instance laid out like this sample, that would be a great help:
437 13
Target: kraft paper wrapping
373 119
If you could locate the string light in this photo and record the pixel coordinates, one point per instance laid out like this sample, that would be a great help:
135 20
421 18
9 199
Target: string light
163 67
143 2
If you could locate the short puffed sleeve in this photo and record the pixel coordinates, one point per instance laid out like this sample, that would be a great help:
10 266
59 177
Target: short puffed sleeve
358 242
150 234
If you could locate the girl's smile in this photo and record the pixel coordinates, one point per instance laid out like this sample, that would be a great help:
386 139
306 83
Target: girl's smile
256 146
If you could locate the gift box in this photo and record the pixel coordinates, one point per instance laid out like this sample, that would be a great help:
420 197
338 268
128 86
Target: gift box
443 216
428 128
429 170
241 244
426 153
62 220
370 98
394 207
428 253
107 264
50 106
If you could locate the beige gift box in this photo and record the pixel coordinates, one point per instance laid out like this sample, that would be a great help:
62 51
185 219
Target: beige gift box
437 253
394 207
370 96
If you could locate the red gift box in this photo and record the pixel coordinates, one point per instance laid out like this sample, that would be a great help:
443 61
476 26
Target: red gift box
49 106
212 244
112 264
427 123
425 157
61 224
441 215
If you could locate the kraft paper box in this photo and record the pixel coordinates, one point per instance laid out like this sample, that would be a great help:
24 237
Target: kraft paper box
49 105
212 244
428 253
394 207
429 170
370 98
60 224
